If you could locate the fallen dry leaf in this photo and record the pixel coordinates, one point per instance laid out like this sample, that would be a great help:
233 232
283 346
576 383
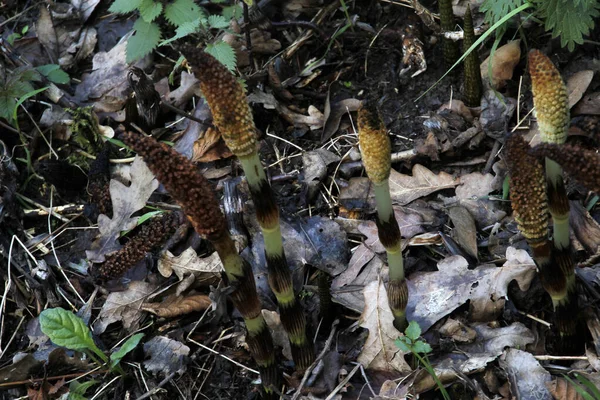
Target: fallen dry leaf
504 61
464 232
125 201
434 295
189 263
406 188
209 148
166 355
124 306
379 351
474 357
578 84
175 305
589 104
562 389
530 377
280 337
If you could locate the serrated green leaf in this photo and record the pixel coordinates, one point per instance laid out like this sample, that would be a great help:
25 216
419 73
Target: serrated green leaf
124 6
413 331
570 20
234 11
402 344
421 347
183 30
182 11
150 10
7 105
495 10
143 41
218 22
224 53
54 73
68 330
130 344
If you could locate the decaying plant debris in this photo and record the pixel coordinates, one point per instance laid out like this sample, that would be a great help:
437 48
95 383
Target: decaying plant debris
211 216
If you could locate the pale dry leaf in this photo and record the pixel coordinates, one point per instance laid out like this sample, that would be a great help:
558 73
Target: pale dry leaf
474 357
406 188
166 355
578 84
85 7
175 305
379 351
280 337
124 306
590 104
530 377
465 231
189 263
504 60
361 256
434 295
126 200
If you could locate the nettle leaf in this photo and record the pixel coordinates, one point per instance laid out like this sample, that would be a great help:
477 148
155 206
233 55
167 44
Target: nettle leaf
54 73
129 345
413 331
421 347
68 330
144 40
224 53
124 6
568 19
218 22
495 10
234 11
182 11
150 10
187 28
402 344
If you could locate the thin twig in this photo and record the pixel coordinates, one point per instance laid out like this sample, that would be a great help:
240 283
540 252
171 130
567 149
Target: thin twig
156 389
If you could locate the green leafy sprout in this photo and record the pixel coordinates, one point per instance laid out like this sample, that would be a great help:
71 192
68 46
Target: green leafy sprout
187 18
67 330
410 343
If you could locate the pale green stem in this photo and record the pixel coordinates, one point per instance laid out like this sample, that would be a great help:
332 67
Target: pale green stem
385 211
560 222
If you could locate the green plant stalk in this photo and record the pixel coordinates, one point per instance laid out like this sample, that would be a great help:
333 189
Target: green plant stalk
472 71
193 192
560 220
427 365
385 213
280 279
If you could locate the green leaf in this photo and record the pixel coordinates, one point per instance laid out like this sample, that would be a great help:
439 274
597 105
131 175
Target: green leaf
129 345
495 10
149 10
80 388
421 347
224 53
183 30
413 331
182 11
124 6
403 344
7 105
218 22
23 98
54 73
144 40
234 11
570 20
68 330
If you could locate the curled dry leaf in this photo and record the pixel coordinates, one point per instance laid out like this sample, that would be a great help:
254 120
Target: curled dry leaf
125 201
578 84
562 389
406 188
379 351
504 61
174 305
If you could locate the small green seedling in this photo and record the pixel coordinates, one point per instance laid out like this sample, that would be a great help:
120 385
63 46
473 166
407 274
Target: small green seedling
410 342
68 330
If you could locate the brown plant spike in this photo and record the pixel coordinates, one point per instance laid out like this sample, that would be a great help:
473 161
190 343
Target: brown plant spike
581 164
151 235
231 113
